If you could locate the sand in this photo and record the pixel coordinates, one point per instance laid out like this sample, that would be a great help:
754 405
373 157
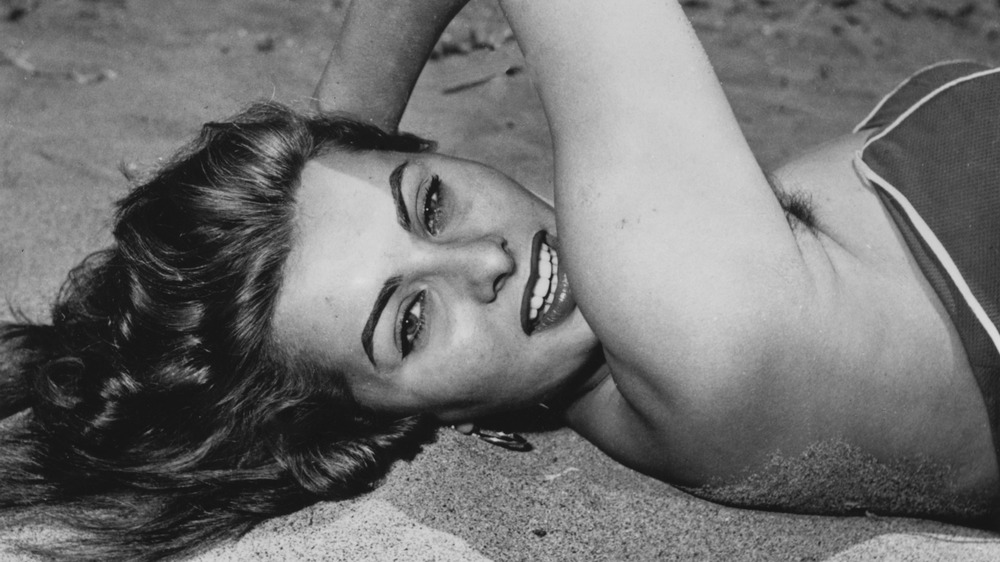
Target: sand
89 85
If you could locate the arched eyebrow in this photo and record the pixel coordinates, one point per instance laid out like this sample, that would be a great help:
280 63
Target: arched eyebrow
384 294
396 188
391 284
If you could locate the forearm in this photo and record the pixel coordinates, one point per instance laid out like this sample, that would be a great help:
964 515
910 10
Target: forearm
379 55
633 73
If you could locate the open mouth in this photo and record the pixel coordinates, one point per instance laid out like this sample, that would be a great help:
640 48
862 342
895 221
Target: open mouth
547 297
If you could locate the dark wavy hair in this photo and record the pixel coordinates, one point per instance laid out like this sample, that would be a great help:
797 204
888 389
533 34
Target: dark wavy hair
159 413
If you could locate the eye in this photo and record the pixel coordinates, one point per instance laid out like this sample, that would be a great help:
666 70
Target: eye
433 214
412 324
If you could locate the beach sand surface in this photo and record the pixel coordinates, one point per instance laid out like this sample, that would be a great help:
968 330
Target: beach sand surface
90 86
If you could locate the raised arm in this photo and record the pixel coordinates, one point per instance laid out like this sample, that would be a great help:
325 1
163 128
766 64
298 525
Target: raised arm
679 254
378 56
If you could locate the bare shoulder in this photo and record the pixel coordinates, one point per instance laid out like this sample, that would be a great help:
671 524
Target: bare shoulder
866 357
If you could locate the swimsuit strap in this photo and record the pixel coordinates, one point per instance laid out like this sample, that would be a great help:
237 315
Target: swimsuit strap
935 164
915 88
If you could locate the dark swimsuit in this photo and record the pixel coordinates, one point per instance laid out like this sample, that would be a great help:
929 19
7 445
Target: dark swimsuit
934 159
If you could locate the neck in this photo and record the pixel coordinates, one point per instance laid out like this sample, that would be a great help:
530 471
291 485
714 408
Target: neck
591 375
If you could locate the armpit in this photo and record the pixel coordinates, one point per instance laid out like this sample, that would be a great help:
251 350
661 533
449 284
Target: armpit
797 204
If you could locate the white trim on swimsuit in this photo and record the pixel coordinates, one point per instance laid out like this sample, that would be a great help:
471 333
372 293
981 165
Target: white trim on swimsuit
932 241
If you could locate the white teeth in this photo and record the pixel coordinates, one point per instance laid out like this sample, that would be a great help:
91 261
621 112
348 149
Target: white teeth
544 268
543 293
541 287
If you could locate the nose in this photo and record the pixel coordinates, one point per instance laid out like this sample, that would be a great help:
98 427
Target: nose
481 265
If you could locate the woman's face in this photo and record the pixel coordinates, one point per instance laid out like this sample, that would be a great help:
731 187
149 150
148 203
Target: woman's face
429 282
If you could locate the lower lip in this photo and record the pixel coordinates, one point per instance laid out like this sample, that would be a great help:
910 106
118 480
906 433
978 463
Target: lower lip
562 304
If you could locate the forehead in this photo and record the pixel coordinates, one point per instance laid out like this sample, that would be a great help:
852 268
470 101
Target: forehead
371 167
346 231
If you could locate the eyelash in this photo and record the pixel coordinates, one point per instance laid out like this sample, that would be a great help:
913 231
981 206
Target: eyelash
411 326
433 206
410 330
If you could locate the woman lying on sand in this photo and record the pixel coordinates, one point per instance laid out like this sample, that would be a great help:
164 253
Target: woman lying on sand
295 301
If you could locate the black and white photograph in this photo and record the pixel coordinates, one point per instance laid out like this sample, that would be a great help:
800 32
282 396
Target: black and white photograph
500 280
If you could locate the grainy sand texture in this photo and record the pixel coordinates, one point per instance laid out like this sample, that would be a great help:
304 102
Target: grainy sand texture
88 86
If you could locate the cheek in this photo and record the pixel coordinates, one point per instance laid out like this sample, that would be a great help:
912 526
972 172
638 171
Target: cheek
526 205
474 356
501 194
481 355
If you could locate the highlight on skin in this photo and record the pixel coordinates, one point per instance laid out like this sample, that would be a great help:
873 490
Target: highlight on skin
164 414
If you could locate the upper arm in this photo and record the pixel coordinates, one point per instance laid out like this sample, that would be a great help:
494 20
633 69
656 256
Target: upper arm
677 249
670 448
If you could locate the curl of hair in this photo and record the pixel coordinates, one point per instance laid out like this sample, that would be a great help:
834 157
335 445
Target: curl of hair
161 414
